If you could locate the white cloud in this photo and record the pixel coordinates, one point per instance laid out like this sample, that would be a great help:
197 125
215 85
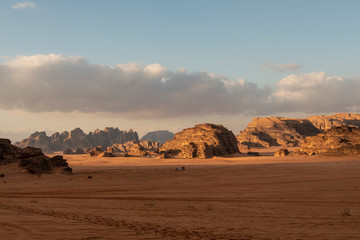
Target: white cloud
316 92
48 83
45 83
25 4
291 67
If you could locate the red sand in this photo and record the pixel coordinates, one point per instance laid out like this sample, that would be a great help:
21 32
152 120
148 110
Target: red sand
220 198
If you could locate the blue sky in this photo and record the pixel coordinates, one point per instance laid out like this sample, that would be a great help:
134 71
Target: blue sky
260 42
233 38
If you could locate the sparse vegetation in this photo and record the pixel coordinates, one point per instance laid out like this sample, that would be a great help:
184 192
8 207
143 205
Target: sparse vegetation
150 203
191 207
210 207
2 175
346 212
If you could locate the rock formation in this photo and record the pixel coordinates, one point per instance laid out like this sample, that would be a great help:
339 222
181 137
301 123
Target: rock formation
282 152
276 131
136 150
160 136
339 119
343 140
78 139
145 144
290 132
96 151
32 159
202 141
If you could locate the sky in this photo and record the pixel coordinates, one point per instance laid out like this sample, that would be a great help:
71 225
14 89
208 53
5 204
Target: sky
158 64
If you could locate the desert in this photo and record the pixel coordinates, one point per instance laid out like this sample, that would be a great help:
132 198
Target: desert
236 196
181 119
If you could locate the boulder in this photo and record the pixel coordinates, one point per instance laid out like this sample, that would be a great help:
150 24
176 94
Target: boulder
96 151
202 141
32 159
282 152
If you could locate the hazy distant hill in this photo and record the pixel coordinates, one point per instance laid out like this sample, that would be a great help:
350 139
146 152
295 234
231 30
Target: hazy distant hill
78 139
160 136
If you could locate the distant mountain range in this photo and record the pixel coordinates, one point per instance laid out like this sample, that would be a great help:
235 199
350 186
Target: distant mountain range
78 139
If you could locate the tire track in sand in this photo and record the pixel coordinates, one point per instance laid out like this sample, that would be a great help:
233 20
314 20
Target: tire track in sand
140 228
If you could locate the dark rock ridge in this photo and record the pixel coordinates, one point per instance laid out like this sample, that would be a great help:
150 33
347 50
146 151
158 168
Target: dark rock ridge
160 136
202 141
32 159
76 139
290 132
344 140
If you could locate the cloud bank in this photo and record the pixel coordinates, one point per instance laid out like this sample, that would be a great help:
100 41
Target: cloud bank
21 5
289 67
46 83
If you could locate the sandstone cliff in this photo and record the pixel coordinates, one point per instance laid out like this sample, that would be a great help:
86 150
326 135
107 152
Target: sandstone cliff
340 119
344 140
290 132
160 136
202 141
78 139
31 159
276 131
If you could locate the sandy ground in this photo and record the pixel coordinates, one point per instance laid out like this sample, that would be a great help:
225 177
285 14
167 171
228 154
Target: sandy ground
221 198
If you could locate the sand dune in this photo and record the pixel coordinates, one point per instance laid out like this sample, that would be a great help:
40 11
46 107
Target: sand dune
219 198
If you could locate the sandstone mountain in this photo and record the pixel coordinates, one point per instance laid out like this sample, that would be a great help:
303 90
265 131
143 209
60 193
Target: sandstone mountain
344 140
202 141
276 131
31 159
78 139
339 119
160 136
290 132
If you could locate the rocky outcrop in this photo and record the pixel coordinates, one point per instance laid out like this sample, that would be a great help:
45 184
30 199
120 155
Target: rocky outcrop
343 140
76 139
32 159
337 120
136 150
282 153
276 131
96 151
202 141
290 132
160 136
145 144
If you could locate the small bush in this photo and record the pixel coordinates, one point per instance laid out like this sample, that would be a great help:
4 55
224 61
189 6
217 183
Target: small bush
346 212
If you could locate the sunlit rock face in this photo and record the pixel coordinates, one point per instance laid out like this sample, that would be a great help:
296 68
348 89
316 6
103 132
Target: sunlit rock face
344 140
290 132
202 141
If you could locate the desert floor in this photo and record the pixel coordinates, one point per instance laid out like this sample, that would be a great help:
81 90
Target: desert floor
220 198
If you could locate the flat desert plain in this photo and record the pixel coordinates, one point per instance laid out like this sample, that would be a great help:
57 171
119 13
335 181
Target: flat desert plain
219 198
